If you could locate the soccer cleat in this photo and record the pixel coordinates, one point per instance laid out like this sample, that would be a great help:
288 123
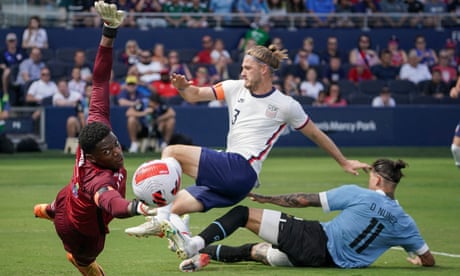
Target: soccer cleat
182 242
195 263
186 220
40 211
151 227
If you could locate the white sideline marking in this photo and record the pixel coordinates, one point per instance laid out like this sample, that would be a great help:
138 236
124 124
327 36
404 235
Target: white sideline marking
434 253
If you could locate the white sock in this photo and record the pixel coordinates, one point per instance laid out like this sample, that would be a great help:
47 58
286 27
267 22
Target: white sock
456 154
198 242
177 221
164 212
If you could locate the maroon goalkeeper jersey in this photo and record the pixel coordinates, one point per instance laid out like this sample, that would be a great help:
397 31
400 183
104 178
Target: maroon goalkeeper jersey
78 202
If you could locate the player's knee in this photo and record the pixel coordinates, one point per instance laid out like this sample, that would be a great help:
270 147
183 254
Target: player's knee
456 154
240 214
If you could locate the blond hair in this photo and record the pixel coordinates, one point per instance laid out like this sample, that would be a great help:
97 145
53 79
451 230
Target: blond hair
271 55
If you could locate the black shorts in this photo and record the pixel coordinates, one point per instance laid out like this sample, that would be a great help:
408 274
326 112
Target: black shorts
304 242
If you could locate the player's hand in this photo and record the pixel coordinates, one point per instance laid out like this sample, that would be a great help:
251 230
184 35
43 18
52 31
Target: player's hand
109 13
415 260
352 166
141 208
257 198
454 91
179 81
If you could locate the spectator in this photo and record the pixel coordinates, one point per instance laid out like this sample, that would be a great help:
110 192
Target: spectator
251 12
332 50
453 7
343 9
173 10
129 6
297 7
451 50
321 100
436 87
299 70
176 66
76 122
333 72
202 77
448 73
130 95
196 21
65 96
413 70
221 58
156 119
363 54
222 10
158 54
204 55
360 72
319 9
41 92
163 86
10 56
385 70
6 145
434 8
130 55
76 83
392 7
308 47
149 70
34 35
311 86
334 97
29 69
415 8
260 35
398 55
83 20
86 71
150 6
278 12
290 86
426 55
371 7
384 99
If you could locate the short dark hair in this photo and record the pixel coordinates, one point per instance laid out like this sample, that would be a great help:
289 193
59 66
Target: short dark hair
91 135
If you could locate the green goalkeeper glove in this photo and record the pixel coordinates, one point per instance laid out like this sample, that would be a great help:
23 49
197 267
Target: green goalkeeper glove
140 208
109 13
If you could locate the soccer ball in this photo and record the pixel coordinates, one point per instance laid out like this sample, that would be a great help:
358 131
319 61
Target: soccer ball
157 182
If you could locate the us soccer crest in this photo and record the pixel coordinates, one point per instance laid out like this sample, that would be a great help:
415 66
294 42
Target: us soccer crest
271 111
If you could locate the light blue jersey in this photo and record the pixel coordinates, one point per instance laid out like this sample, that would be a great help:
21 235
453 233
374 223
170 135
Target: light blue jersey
369 224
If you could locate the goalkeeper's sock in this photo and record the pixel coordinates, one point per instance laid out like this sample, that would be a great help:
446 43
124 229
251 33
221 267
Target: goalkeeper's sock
229 254
456 154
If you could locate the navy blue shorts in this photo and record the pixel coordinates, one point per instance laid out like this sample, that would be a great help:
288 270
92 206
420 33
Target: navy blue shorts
223 180
457 130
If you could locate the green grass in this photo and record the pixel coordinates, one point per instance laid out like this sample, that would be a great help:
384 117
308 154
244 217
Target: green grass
430 192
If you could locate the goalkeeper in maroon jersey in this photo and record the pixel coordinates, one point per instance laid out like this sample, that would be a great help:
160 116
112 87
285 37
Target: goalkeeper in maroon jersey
95 195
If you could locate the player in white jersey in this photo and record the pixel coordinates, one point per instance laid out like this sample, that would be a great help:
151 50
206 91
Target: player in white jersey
455 147
258 113
370 222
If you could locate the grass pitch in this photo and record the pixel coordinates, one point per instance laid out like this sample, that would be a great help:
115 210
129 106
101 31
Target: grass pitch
430 192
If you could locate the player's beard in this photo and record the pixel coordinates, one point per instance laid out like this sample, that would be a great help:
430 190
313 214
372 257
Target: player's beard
253 83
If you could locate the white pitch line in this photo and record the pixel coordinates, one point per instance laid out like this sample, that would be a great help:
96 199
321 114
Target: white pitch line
434 253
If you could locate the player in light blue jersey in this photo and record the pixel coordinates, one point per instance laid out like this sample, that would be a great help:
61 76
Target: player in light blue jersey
370 222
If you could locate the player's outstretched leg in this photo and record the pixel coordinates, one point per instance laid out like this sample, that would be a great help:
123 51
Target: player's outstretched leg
185 247
41 212
151 227
186 220
195 263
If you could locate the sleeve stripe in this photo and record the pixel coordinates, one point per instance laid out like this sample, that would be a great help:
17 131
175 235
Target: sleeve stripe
324 203
218 91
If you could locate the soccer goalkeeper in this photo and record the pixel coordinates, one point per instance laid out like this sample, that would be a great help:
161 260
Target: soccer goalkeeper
95 195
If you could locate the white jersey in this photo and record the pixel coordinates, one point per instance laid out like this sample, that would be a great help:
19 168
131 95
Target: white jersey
257 121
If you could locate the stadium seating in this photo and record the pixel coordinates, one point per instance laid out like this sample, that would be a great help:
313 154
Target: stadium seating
347 87
304 100
359 99
371 87
424 100
403 87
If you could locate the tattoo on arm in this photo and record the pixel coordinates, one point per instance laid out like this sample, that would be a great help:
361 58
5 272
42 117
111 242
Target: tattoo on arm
294 200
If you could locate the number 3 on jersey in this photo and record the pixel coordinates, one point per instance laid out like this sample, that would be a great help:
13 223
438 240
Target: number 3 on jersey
235 115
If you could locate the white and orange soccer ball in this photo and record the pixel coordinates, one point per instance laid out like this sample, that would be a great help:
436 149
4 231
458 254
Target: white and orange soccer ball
157 182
